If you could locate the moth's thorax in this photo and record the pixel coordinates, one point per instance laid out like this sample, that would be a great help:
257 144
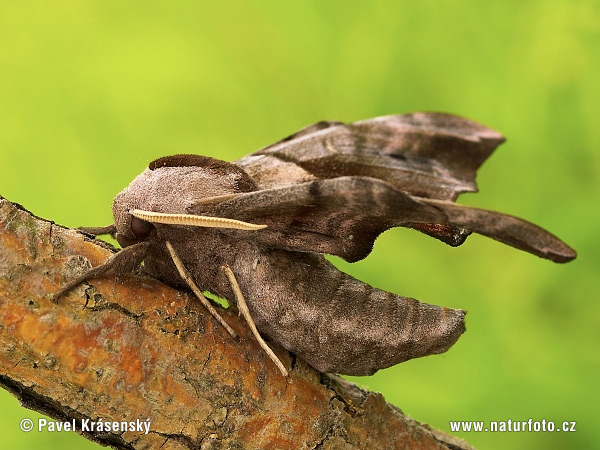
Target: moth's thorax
169 190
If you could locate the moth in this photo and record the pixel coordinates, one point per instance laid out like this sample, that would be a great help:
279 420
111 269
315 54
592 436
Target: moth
254 231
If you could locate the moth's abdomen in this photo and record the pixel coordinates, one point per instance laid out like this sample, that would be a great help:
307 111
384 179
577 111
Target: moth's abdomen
337 323
367 329
385 329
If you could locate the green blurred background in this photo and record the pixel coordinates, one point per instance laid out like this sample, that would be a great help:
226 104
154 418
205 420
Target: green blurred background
91 91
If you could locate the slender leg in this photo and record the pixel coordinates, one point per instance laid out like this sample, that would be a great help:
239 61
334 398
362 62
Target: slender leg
187 277
123 261
97 231
241 303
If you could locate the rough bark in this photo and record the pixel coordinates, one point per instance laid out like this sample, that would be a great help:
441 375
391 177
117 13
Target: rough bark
134 348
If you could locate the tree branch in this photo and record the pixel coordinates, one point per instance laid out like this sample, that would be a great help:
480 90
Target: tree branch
133 348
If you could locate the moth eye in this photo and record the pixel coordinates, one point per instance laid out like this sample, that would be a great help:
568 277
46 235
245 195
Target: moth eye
141 228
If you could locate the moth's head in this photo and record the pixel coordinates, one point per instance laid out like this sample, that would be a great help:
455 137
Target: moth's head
173 185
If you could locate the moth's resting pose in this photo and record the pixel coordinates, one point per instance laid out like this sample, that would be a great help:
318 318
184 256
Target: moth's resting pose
257 229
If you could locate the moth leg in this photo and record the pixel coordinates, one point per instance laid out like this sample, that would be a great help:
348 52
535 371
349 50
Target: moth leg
124 261
97 231
187 277
241 303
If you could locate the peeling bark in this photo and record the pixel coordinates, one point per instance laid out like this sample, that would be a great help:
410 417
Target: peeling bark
133 348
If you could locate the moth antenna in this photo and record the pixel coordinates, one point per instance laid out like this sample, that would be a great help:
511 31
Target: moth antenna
194 220
185 275
243 307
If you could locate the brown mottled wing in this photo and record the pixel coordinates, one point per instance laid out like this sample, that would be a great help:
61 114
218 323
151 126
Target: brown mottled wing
341 216
430 155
